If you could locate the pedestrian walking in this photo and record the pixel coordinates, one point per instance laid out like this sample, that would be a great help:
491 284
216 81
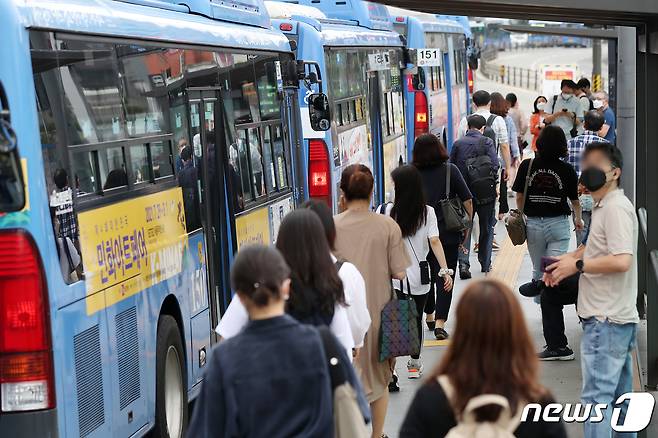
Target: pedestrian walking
490 359
607 288
431 158
593 123
551 184
241 394
537 120
500 106
373 242
420 231
497 125
520 120
475 157
609 130
317 296
565 110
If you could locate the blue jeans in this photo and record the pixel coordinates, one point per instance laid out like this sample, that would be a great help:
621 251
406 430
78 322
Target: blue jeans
547 236
607 368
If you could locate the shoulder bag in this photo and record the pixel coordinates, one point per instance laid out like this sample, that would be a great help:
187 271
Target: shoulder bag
455 216
398 333
516 221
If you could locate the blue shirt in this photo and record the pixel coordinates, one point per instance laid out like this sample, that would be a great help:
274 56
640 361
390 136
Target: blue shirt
577 145
271 380
611 121
471 145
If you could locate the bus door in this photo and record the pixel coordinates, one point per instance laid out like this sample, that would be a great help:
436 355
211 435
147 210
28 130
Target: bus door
209 155
374 109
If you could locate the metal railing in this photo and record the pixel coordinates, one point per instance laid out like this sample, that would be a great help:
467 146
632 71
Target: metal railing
506 74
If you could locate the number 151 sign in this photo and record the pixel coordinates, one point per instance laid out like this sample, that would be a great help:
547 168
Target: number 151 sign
428 57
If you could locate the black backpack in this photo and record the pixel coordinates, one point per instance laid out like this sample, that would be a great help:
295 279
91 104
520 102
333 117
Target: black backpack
481 176
489 131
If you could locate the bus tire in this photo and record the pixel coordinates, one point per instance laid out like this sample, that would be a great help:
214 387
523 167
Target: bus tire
170 382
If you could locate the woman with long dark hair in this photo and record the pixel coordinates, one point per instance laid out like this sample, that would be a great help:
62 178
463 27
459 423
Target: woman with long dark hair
500 106
420 232
316 295
491 353
373 242
431 158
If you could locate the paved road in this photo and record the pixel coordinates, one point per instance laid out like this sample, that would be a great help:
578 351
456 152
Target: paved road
535 58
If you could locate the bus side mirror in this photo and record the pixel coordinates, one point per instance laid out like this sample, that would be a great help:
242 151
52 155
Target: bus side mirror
418 80
318 111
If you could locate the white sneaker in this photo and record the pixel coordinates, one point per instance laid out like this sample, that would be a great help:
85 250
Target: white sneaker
415 368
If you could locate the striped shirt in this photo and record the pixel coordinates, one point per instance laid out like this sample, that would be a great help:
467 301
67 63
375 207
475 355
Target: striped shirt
577 145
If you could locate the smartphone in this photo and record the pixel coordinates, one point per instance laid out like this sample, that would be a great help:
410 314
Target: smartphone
546 262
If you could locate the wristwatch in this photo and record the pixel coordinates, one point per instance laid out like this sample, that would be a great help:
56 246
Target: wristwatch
580 265
445 271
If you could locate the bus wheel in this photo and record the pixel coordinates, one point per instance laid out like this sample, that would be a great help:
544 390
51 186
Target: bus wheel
171 395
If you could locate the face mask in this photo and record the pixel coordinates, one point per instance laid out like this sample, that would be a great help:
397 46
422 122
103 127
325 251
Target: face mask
566 96
541 105
593 178
597 104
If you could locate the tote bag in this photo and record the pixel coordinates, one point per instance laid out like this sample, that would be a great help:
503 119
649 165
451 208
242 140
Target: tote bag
515 222
455 216
398 334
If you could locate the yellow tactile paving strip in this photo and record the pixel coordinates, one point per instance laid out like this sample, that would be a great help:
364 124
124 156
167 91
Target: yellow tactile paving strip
506 266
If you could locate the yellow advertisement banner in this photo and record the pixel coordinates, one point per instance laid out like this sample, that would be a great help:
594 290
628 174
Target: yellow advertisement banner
254 227
131 245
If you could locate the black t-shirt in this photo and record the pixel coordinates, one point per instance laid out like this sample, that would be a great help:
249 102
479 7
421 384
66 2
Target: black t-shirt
551 183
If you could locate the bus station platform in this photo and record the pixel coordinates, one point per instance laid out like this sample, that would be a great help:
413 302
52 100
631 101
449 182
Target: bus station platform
512 266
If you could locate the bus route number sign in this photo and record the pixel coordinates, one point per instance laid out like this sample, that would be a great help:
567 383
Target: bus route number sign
379 61
428 57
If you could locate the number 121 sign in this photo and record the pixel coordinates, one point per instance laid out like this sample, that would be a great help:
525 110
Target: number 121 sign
428 57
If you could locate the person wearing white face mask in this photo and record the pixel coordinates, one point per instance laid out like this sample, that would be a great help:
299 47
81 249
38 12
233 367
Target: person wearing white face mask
565 110
536 122
609 130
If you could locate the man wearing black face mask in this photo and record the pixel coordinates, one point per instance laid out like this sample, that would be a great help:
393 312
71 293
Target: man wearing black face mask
607 289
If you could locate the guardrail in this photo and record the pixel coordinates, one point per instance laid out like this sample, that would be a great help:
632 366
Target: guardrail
505 74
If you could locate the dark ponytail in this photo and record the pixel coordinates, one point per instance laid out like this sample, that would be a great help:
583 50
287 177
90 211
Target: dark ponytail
357 182
258 272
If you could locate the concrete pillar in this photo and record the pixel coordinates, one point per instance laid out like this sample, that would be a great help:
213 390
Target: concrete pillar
625 99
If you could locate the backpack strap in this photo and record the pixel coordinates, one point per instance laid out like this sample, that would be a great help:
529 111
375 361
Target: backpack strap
339 264
491 119
554 102
382 208
505 419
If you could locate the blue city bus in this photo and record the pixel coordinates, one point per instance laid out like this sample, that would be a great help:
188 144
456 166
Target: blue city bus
359 60
166 141
436 81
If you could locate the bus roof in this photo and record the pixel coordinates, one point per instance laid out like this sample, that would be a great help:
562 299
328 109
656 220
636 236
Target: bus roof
118 18
366 14
430 22
278 9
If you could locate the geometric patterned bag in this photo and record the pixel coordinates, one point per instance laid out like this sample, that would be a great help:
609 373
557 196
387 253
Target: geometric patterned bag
398 334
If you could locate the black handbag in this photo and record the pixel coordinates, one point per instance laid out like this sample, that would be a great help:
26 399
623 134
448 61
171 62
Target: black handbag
423 265
455 216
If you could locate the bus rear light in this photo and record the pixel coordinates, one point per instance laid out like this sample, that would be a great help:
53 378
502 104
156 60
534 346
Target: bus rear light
471 81
26 374
421 120
399 19
285 27
319 180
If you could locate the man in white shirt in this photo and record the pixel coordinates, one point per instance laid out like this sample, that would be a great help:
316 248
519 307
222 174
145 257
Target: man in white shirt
607 289
482 106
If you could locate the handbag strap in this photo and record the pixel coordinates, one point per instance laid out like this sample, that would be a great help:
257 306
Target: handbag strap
448 172
525 188
413 250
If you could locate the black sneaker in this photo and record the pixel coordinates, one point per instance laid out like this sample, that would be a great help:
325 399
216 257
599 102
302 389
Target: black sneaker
464 273
532 288
562 354
430 325
393 384
440 334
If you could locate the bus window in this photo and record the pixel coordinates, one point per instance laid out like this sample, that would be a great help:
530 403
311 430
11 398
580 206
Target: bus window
139 166
280 156
269 172
243 166
112 164
161 156
256 161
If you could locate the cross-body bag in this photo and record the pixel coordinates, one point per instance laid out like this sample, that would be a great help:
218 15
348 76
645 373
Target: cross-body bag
516 221
455 216
423 265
